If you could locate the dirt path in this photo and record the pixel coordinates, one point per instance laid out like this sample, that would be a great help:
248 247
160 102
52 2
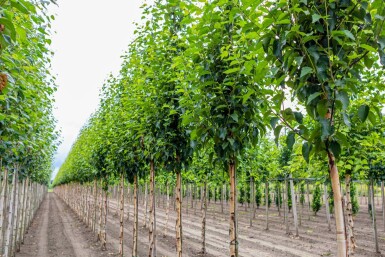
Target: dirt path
56 231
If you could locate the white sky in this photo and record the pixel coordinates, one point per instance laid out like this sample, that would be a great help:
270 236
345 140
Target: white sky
90 36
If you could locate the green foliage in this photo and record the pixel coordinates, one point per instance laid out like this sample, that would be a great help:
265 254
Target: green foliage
278 195
353 197
302 193
316 203
258 194
27 127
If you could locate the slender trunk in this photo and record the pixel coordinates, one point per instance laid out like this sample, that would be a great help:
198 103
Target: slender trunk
187 198
121 214
16 218
8 237
374 217
252 200
135 229
279 199
267 204
21 212
327 208
167 207
100 213
104 241
233 210
294 205
338 209
222 199
308 199
192 196
128 202
300 205
204 210
3 209
95 205
179 214
152 229
383 203
145 205
351 241
286 207
25 209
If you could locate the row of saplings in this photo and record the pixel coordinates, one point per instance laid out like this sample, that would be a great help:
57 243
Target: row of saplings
19 200
91 201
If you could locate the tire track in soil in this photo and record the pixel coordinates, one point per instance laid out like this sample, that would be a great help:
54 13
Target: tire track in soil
56 232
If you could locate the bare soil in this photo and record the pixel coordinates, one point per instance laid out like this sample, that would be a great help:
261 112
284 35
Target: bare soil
56 231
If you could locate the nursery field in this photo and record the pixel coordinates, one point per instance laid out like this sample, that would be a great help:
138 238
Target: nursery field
57 231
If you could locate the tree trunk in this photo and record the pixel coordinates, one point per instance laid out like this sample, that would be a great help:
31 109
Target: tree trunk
3 209
25 209
252 200
383 203
308 199
16 218
351 241
267 204
294 205
95 205
374 217
100 213
152 229
145 205
338 209
135 228
8 237
128 202
222 199
233 210
279 199
167 207
20 218
327 207
104 242
286 208
121 214
204 210
178 226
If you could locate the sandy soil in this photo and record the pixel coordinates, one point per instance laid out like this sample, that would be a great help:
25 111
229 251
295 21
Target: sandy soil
56 231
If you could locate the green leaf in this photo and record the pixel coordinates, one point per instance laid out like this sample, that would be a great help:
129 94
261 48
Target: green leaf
323 107
290 139
368 47
273 122
9 27
315 17
298 117
306 148
347 120
232 70
325 128
20 6
312 97
349 34
305 70
277 131
335 148
363 112
234 116
343 97
247 96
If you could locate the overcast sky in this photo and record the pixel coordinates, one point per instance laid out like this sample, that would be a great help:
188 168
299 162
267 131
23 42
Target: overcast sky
90 36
